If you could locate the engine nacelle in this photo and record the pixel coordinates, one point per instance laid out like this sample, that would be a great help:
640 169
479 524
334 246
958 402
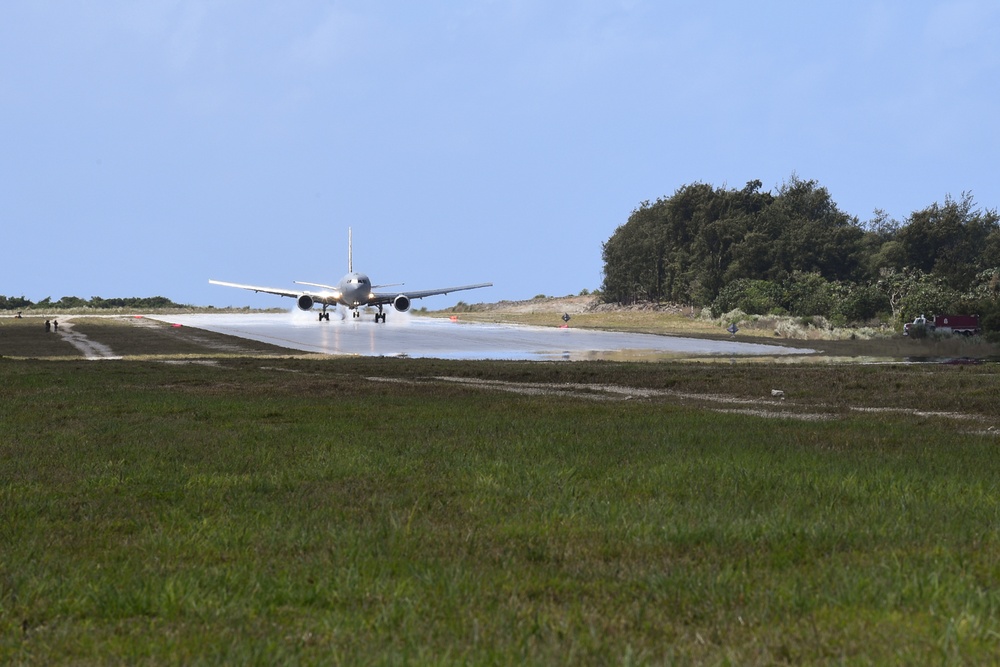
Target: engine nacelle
305 302
401 303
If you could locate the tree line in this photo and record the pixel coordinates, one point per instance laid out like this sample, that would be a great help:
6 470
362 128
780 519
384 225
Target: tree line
66 302
795 252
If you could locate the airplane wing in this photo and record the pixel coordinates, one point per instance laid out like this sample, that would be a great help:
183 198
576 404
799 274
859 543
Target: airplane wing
319 297
388 297
302 282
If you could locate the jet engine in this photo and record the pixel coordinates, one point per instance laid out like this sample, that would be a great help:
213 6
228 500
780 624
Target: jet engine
401 303
305 302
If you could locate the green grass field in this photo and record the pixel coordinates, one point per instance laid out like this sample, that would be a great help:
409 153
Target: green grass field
252 507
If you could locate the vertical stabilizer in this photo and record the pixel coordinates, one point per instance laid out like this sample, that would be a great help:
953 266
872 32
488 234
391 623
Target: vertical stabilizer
350 252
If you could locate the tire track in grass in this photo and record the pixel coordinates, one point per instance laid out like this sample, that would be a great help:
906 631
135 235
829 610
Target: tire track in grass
607 392
774 407
90 349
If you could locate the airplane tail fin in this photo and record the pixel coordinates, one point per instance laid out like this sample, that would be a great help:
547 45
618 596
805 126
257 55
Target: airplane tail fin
350 252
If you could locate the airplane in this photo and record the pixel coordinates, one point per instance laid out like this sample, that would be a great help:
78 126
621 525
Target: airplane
354 291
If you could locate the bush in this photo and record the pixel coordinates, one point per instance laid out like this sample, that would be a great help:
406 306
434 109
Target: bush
754 297
861 303
991 326
808 294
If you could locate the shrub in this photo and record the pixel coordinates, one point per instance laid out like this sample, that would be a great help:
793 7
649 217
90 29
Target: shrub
754 297
808 294
861 303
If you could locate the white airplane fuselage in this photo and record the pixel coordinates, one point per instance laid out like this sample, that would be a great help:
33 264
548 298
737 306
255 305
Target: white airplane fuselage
355 290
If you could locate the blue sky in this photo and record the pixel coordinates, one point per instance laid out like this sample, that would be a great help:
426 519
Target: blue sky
149 146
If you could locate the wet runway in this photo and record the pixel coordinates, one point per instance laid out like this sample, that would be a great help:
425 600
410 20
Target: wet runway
414 336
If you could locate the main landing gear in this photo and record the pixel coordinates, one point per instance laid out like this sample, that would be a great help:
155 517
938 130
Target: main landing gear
379 316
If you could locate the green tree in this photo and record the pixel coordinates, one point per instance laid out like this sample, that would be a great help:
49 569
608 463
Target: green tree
717 246
986 285
953 241
70 302
14 303
631 258
879 245
896 285
693 246
811 234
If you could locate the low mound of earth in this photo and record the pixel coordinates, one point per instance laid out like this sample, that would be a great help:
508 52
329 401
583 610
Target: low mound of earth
565 304
572 305
587 311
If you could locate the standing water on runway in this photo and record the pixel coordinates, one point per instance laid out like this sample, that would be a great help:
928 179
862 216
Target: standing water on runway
416 336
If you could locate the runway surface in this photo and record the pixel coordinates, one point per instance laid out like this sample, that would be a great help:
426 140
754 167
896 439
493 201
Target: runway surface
414 336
